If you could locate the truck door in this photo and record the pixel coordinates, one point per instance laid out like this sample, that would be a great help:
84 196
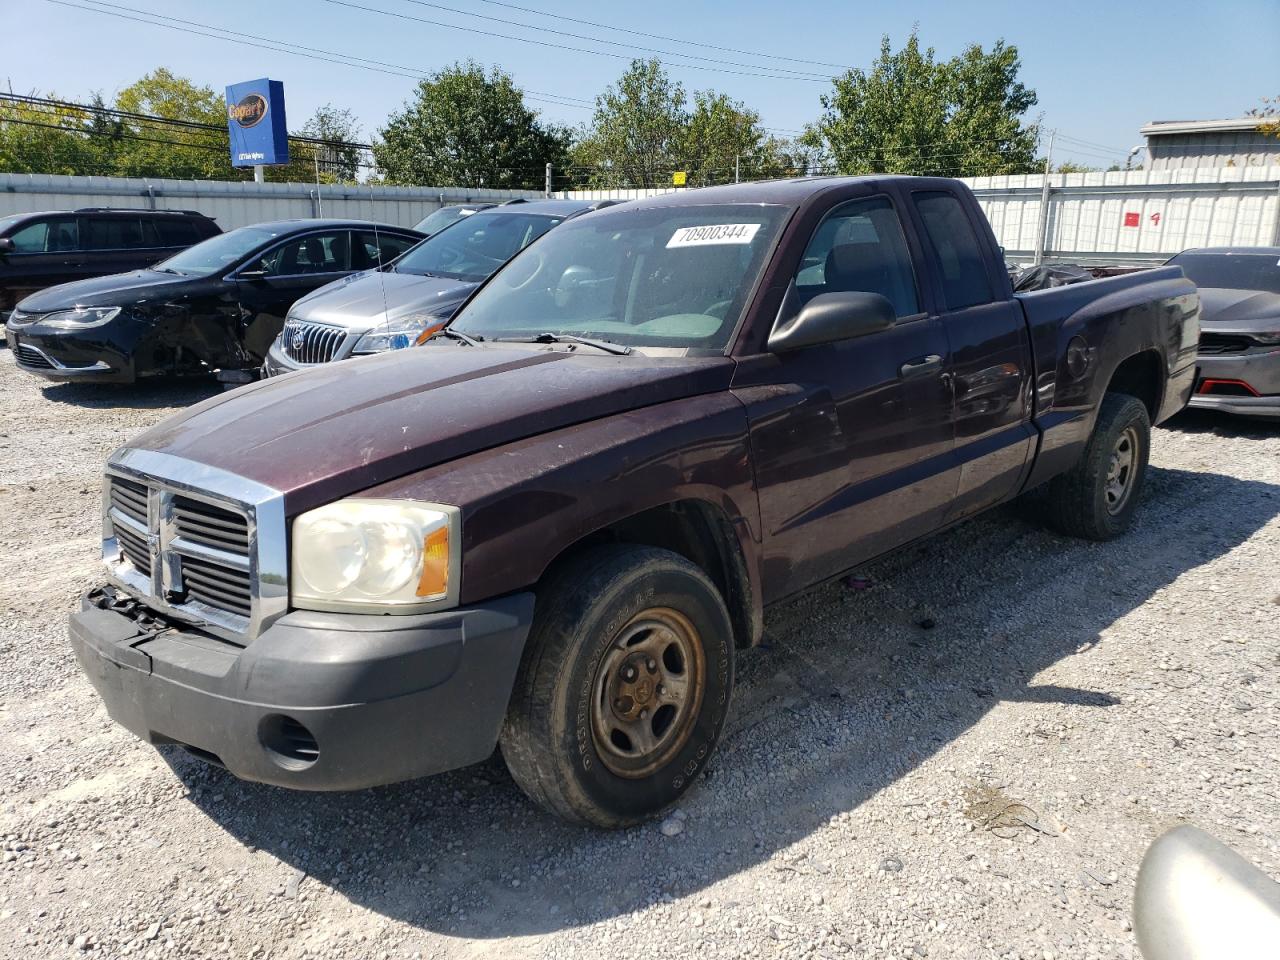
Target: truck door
852 441
990 352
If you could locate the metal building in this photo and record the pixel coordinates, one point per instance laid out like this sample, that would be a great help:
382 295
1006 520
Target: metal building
1178 144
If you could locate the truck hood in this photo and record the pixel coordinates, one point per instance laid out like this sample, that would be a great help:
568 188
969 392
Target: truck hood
1243 310
118 289
335 430
360 302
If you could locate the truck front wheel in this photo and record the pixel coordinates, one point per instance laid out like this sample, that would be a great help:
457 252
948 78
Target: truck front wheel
1096 498
623 688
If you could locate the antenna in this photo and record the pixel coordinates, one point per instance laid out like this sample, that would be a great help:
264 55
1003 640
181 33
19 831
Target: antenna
377 244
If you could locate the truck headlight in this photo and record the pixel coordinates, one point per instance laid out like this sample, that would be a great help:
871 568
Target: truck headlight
80 317
376 556
398 333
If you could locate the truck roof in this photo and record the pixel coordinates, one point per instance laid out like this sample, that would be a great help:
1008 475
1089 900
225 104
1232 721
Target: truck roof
791 192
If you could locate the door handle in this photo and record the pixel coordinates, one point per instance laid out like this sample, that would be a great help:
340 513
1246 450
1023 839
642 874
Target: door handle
922 367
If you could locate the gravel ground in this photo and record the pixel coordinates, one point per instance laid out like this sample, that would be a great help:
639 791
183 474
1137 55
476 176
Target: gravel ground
962 755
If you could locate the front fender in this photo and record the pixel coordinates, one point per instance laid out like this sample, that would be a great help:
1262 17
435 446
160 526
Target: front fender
525 503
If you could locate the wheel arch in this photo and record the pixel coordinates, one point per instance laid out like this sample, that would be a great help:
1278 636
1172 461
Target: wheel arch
702 532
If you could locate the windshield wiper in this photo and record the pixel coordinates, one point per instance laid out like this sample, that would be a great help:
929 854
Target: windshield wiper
607 346
176 273
457 335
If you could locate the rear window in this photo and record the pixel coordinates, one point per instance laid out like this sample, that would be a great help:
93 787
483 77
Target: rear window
956 250
175 232
112 233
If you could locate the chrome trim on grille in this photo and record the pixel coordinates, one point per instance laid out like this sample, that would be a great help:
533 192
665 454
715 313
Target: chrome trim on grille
308 344
42 361
166 478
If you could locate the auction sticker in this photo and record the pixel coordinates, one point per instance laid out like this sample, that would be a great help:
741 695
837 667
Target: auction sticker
715 233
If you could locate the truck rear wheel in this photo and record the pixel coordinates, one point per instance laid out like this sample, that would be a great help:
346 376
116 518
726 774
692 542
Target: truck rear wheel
1096 498
624 686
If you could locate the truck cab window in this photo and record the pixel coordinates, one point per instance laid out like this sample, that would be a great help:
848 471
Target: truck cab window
959 259
860 247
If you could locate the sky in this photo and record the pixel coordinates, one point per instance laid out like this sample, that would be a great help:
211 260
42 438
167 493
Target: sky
1101 70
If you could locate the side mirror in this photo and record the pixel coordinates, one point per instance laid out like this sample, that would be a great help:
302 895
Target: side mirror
1196 898
6 245
832 317
251 275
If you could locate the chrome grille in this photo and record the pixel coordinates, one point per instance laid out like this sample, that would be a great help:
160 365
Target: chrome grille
197 543
311 343
31 357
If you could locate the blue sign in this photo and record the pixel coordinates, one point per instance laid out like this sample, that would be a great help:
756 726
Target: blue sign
256 123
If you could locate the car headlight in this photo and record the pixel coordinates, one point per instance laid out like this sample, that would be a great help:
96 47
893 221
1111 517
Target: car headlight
80 317
398 333
376 556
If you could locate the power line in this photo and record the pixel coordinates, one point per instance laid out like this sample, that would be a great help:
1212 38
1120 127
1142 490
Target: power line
806 74
562 46
283 46
104 111
658 36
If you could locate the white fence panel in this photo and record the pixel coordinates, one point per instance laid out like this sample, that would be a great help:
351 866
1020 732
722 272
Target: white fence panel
1135 216
237 204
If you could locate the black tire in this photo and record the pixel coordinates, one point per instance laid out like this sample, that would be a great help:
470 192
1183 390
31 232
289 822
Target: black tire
564 740
1082 502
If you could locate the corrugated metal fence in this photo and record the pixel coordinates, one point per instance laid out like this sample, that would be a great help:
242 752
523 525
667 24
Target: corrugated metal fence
1121 217
237 204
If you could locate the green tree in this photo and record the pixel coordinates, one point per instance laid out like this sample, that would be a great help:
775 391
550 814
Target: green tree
722 140
468 128
153 150
912 113
339 161
637 131
48 139
1268 116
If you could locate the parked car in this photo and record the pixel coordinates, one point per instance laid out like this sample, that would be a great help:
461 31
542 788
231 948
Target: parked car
213 307
554 528
1240 345
414 296
437 220
39 250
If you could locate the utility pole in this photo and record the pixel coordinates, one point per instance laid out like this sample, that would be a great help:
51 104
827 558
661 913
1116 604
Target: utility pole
1043 226
736 158
548 181
259 173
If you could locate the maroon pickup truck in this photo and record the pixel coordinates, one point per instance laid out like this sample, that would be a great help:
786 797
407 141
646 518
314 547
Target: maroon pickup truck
552 528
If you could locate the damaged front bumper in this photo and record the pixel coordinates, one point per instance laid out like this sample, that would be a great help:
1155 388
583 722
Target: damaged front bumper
318 701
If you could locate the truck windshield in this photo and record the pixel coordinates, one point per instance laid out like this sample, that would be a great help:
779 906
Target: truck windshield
473 249
669 277
1231 271
218 253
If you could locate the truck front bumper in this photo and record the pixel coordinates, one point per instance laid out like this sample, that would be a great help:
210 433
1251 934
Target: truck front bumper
318 701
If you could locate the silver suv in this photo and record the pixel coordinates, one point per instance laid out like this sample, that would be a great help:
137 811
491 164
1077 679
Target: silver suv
408 300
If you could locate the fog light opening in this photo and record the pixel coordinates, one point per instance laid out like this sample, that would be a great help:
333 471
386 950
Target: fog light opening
288 743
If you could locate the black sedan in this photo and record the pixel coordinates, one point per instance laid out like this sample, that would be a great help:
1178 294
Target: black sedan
216 306
1239 359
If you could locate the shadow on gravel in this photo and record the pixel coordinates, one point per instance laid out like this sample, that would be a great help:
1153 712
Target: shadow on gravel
849 694
147 395
1223 425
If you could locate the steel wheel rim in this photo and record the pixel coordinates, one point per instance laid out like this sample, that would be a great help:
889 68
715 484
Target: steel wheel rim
1121 470
647 692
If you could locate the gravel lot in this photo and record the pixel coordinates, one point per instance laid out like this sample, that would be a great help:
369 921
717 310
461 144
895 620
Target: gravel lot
963 755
